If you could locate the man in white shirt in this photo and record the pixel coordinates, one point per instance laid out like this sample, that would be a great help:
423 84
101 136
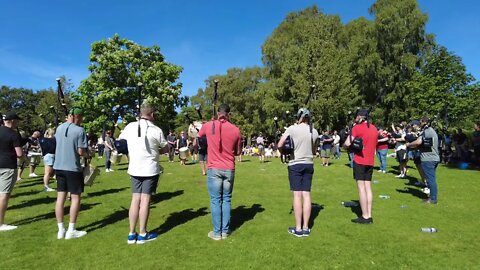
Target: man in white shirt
145 142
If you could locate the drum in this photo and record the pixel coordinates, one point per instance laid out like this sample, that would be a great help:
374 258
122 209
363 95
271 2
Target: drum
34 157
89 174
183 152
115 157
192 129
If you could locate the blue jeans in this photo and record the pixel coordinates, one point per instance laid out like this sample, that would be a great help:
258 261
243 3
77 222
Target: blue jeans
337 151
350 157
108 163
382 157
220 187
429 169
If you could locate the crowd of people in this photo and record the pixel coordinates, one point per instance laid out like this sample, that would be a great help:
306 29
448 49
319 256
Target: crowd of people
64 149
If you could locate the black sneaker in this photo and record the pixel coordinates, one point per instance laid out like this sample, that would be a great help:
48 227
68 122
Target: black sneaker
362 220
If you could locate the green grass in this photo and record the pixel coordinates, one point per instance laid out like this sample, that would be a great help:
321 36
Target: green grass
261 215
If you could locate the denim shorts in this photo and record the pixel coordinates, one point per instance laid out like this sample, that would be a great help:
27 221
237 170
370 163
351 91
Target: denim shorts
48 160
300 177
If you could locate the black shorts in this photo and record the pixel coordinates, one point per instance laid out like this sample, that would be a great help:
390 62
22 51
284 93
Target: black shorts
145 185
68 181
402 155
202 157
362 172
300 177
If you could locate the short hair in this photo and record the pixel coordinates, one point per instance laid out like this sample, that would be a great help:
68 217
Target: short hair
146 109
425 119
50 133
224 108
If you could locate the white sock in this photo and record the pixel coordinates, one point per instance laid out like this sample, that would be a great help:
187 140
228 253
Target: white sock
60 226
71 227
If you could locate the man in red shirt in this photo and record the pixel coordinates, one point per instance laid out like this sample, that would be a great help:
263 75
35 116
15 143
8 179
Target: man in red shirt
224 143
363 140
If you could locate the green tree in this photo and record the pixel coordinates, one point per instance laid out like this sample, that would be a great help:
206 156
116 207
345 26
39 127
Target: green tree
307 49
117 66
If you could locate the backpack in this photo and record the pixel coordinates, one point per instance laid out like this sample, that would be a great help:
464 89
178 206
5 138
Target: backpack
288 146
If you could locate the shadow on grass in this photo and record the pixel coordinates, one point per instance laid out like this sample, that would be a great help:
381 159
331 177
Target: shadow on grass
34 202
105 192
414 192
357 210
178 218
50 215
23 184
163 196
316 209
27 193
242 214
108 220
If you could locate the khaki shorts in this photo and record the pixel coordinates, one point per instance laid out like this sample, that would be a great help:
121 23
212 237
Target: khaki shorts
8 177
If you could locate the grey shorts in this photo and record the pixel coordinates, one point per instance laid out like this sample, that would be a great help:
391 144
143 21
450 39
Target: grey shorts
145 185
8 177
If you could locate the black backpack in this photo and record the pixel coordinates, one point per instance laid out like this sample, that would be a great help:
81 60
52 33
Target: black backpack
288 146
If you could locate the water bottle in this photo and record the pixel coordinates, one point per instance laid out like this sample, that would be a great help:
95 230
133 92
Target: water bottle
350 204
384 197
429 230
376 181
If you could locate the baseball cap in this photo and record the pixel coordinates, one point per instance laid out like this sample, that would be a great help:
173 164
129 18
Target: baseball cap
11 116
415 122
362 112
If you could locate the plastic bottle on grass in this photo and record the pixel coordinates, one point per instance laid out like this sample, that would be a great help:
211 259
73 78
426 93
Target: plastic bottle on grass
384 197
429 230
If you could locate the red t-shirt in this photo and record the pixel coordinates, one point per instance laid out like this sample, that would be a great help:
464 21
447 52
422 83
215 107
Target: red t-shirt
382 145
223 145
370 139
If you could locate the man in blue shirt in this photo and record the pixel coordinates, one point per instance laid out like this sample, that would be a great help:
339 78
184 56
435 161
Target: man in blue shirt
71 145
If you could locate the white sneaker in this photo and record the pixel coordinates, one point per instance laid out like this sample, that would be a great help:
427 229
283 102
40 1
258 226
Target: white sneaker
107 170
32 175
5 227
399 176
110 170
379 171
61 234
48 189
74 234
426 191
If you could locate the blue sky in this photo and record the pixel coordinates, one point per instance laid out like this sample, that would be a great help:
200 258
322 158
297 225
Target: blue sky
41 40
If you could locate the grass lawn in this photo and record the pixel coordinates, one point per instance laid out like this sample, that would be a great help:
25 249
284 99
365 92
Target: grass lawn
261 214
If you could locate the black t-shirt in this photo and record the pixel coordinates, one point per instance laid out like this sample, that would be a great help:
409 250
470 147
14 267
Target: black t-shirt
48 145
9 139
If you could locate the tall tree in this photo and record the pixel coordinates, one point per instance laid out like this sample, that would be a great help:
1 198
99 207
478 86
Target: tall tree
117 66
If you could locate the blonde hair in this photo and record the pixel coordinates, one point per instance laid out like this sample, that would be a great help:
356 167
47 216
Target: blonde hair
50 133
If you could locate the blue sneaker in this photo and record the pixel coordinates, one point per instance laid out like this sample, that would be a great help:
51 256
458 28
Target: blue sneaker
132 238
306 232
147 237
293 231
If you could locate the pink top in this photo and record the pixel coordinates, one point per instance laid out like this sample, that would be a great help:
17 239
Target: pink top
223 144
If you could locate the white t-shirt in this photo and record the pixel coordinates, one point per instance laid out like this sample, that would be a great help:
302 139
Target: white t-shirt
336 139
143 151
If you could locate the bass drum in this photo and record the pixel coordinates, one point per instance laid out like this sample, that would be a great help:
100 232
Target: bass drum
192 130
183 152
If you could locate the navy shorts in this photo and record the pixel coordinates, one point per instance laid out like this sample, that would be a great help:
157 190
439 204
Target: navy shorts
300 177
145 185
362 172
68 181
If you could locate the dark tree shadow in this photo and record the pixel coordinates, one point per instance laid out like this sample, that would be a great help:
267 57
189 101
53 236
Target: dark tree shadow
242 214
46 200
27 193
414 192
316 208
243 160
23 184
50 215
163 196
108 220
178 218
106 191
122 169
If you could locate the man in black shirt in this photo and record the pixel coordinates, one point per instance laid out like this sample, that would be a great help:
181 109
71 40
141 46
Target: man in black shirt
10 149
172 141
